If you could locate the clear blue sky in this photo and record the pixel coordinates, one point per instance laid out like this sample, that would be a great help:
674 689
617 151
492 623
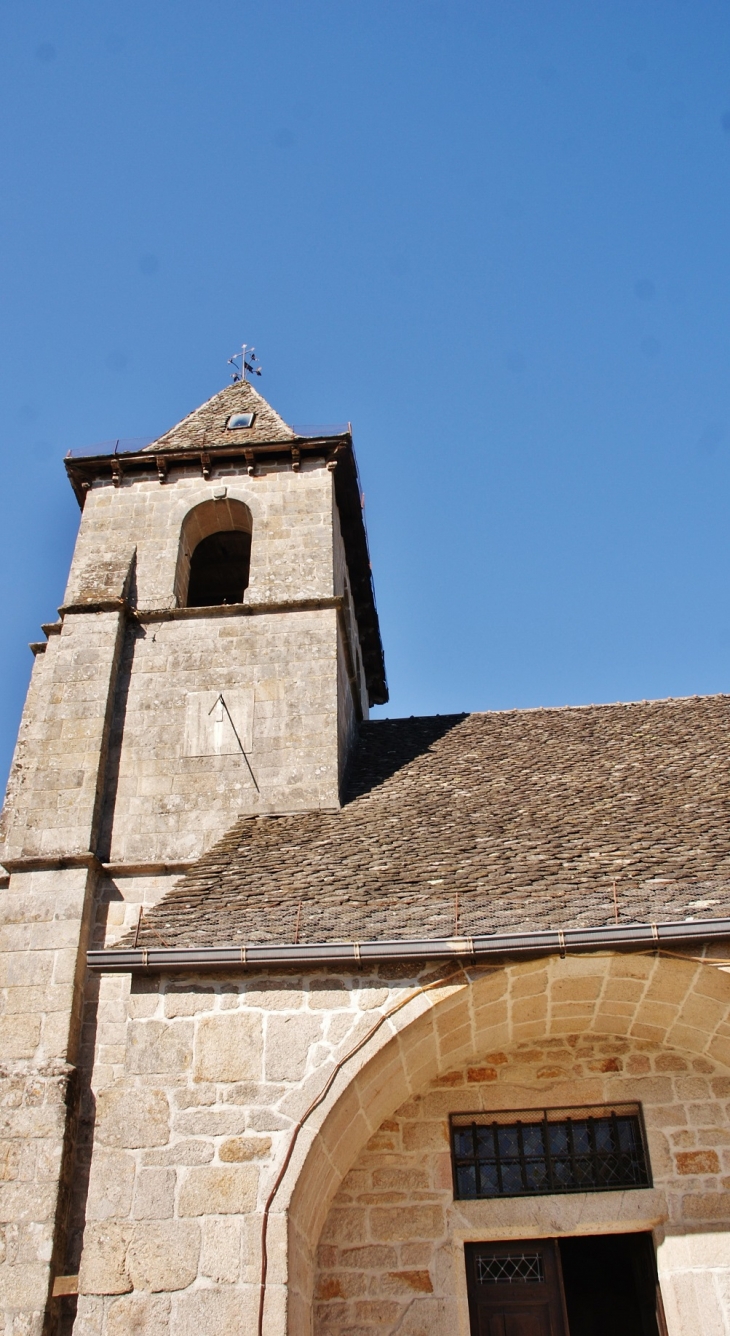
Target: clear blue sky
493 235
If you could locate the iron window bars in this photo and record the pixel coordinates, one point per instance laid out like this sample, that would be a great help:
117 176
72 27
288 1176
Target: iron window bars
530 1152
510 1269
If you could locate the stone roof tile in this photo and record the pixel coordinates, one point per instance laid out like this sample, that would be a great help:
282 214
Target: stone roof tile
206 426
480 823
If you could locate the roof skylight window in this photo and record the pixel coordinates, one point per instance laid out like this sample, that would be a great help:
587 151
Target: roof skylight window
238 420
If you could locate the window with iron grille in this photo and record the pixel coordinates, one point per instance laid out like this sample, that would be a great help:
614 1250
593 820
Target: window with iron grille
526 1152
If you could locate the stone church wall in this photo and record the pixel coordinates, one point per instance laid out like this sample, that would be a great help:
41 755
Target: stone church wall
164 805
104 771
291 550
298 673
352 693
391 1258
196 1087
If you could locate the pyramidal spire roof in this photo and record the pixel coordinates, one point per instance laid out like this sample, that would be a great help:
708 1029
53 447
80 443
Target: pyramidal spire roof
207 425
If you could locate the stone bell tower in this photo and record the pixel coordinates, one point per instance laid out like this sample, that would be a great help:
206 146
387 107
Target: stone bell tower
217 645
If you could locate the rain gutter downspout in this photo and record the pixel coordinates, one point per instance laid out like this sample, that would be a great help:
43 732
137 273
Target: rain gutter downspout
261 955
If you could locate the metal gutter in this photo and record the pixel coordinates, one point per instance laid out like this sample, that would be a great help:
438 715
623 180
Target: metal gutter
258 955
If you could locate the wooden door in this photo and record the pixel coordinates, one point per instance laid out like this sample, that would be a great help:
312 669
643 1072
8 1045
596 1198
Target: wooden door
515 1289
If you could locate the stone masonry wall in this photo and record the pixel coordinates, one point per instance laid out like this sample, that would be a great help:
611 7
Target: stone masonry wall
33 707
197 1085
149 798
161 804
346 714
342 587
72 799
32 1124
291 550
43 924
59 767
164 805
352 693
45 911
391 1257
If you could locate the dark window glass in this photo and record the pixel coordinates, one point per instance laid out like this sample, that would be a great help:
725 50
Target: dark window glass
462 1140
467 1181
219 569
567 1150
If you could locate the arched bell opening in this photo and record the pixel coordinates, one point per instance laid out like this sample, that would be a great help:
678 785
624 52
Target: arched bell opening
219 569
215 554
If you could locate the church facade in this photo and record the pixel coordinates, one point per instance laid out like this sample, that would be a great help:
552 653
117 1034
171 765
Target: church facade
319 1026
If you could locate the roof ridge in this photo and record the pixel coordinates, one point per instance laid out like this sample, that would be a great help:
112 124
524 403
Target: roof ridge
556 709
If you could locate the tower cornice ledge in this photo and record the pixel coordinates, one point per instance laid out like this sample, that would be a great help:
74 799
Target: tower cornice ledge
335 601
83 470
215 610
51 862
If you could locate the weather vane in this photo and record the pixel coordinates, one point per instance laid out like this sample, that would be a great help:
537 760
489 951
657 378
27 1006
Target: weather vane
248 360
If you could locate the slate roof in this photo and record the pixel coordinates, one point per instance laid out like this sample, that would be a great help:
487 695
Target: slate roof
522 820
205 427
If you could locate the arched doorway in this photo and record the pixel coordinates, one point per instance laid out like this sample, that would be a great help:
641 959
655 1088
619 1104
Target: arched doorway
650 1027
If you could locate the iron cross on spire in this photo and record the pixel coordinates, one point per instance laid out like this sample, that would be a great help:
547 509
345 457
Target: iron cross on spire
248 360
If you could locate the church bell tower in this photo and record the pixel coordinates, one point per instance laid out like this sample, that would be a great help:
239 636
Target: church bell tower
218 642
217 645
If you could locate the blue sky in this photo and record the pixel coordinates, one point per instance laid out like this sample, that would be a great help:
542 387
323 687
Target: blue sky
494 236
